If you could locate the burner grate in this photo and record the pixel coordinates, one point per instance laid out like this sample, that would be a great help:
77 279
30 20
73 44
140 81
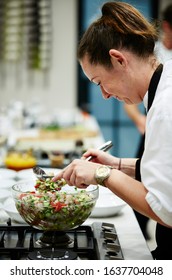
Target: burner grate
99 241
52 254
21 241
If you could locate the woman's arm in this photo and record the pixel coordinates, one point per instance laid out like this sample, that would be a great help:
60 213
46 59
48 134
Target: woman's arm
81 173
136 116
132 192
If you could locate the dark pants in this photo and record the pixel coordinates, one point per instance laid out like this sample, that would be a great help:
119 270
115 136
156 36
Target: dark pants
164 243
143 221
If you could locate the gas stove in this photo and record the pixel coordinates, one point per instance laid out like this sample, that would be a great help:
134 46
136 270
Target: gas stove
96 242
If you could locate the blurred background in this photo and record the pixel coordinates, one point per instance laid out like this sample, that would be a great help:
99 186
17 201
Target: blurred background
39 72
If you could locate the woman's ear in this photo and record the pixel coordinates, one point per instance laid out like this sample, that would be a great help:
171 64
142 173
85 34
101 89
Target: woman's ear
117 56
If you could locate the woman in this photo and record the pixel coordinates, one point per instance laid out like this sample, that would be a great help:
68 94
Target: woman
117 54
163 51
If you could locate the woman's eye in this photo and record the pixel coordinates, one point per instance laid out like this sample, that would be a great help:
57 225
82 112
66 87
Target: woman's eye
98 84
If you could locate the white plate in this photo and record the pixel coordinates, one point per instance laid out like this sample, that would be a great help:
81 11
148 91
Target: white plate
10 208
107 205
4 194
28 173
7 173
6 183
3 216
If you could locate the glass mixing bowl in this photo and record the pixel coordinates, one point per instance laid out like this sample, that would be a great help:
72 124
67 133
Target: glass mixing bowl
54 210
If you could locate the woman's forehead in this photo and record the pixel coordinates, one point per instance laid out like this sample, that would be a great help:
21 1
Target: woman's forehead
90 70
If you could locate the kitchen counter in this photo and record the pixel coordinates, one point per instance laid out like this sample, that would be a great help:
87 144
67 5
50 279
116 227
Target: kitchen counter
132 241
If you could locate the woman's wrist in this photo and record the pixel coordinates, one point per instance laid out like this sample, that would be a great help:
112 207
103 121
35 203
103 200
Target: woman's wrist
117 163
126 165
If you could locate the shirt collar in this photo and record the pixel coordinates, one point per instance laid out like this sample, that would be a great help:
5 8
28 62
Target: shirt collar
145 100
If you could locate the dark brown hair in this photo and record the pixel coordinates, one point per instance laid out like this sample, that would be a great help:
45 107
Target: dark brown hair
121 26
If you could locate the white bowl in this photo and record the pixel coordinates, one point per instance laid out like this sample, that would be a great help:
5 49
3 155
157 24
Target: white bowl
28 173
107 205
7 173
25 174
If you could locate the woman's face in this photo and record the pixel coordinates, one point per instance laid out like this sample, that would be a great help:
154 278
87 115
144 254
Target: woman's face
114 82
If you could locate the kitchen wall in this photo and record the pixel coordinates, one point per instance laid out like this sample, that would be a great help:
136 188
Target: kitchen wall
56 89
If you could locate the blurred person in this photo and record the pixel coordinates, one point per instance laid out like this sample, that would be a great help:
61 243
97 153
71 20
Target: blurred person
117 54
163 51
163 47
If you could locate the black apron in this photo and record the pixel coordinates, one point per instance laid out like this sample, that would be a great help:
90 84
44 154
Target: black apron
163 234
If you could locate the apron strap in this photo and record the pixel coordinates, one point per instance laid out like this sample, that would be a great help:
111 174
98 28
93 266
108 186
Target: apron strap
151 94
153 85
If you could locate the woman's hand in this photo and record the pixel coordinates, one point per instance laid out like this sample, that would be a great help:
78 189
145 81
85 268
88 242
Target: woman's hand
80 173
101 157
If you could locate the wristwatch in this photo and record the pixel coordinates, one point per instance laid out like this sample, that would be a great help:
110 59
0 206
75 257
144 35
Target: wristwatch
102 173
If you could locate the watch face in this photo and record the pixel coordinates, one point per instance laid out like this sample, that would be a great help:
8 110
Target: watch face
102 171
101 174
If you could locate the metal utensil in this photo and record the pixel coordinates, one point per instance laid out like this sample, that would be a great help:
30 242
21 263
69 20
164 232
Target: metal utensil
105 147
40 173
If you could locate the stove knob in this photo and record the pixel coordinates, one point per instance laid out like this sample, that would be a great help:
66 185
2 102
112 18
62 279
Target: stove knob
113 256
112 247
108 226
110 236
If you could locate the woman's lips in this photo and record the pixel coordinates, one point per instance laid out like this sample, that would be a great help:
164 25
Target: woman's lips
116 97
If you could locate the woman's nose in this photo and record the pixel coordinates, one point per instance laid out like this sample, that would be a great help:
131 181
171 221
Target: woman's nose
104 93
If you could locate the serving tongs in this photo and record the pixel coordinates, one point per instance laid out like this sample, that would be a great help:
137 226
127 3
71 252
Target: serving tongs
41 175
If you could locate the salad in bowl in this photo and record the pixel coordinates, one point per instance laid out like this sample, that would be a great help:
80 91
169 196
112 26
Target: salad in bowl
46 205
